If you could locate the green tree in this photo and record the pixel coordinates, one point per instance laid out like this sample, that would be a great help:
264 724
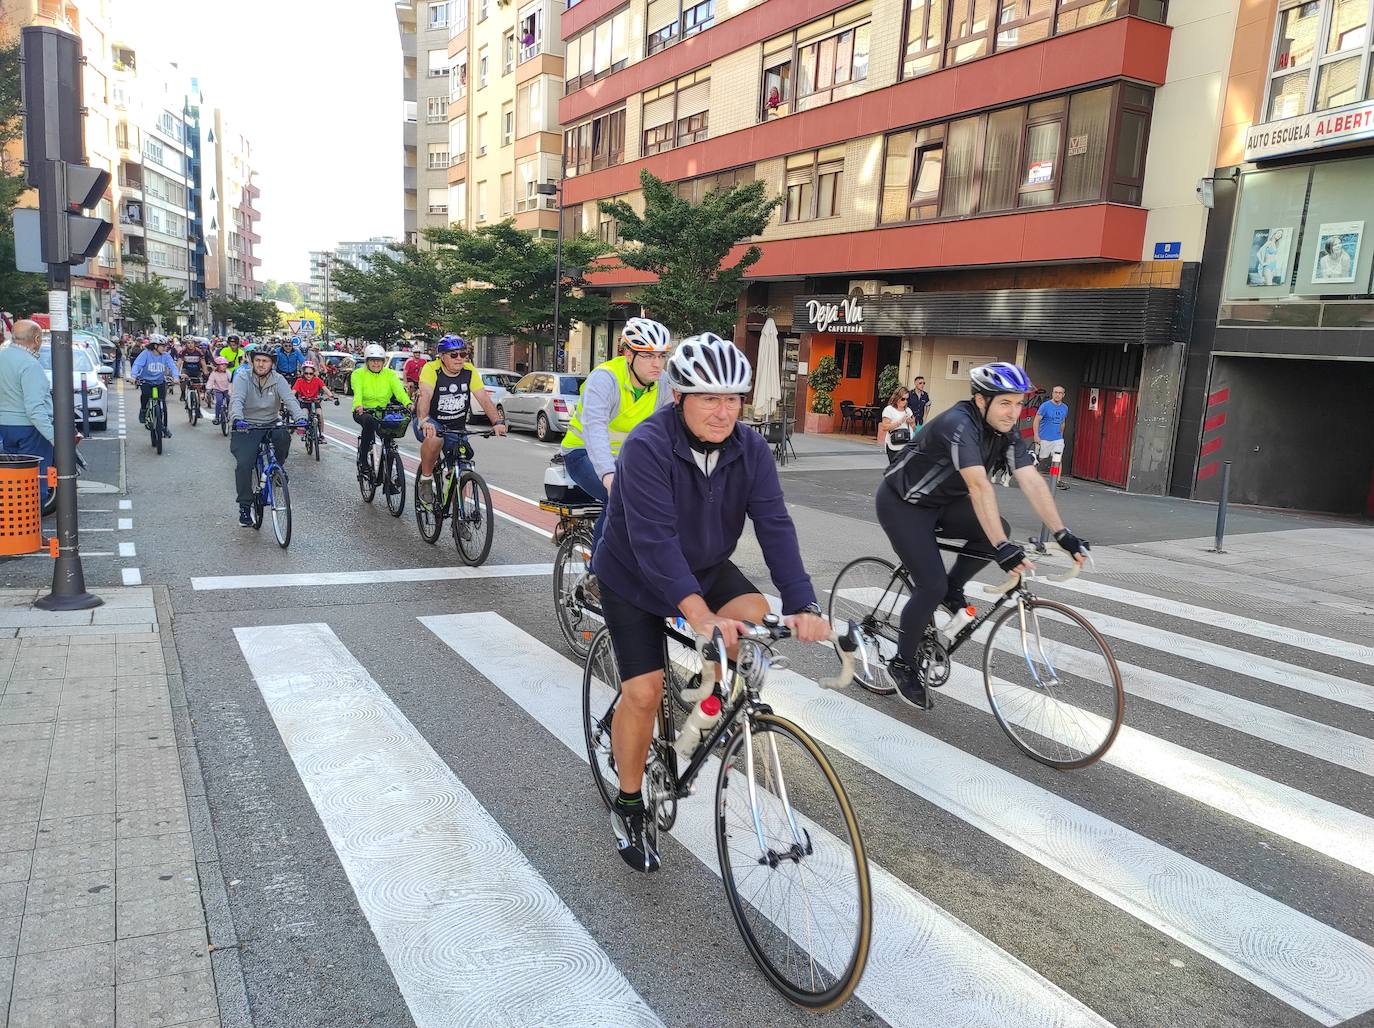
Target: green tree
888 382
21 292
149 304
256 317
287 292
685 245
823 381
507 279
369 312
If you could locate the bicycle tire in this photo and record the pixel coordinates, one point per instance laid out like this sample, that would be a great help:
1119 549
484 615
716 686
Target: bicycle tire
224 422
472 518
367 480
257 498
1010 701
600 676
877 617
281 508
394 475
570 569
824 848
310 446
430 520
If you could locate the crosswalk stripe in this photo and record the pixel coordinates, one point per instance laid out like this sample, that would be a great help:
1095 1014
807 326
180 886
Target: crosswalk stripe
430 574
1243 930
909 931
466 924
1221 619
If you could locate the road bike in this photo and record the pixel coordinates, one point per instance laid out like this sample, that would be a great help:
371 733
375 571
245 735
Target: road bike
1050 678
382 464
791 857
578 613
191 401
155 416
313 430
270 489
461 495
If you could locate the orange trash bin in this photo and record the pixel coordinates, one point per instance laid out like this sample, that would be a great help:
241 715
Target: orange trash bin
21 514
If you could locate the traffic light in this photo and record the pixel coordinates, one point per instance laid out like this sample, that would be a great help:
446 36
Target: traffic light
71 236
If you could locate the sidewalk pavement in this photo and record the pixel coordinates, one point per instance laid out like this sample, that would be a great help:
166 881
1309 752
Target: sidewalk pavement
107 860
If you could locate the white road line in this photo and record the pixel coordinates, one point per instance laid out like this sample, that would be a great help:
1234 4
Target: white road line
131 576
126 504
126 550
86 529
909 932
473 934
94 510
1241 929
125 524
1231 622
441 574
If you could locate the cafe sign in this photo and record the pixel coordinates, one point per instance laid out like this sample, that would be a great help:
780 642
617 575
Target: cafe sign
841 316
1310 132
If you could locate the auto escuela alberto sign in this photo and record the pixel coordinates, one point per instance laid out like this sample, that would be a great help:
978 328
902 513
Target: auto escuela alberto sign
1310 132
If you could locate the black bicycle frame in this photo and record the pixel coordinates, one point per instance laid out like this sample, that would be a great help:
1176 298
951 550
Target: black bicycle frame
963 635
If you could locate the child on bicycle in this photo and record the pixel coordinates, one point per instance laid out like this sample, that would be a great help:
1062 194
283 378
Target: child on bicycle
218 384
308 388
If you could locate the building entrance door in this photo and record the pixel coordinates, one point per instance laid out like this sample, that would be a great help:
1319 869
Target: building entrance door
1105 430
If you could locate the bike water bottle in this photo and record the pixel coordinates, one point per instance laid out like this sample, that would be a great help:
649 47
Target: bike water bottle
698 723
953 626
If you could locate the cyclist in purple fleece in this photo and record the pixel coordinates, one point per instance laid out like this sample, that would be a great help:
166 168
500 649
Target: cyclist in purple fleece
686 478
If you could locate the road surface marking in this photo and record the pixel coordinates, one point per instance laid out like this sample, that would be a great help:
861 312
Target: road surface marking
472 932
126 504
1231 622
126 549
126 524
908 930
131 576
441 574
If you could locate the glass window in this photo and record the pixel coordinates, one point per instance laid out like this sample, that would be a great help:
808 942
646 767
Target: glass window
620 40
800 183
970 26
1338 84
1349 26
1039 166
1085 153
1288 95
1079 14
1297 36
897 177
999 166
958 165
1023 21
1129 170
777 89
925 36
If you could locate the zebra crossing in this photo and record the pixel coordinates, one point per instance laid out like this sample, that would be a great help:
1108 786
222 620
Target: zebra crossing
475 935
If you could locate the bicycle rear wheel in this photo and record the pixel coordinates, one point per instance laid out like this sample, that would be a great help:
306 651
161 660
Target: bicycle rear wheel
394 483
570 570
472 518
804 904
223 416
600 694
872 593
429 518
281 508
367 479
1053 684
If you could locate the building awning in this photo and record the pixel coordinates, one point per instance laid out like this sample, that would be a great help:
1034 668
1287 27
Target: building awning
1115 317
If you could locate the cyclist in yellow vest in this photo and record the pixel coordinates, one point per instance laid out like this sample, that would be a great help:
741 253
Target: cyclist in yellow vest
616 397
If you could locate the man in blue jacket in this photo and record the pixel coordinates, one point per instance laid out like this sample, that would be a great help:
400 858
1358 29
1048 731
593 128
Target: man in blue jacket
686 478
289 360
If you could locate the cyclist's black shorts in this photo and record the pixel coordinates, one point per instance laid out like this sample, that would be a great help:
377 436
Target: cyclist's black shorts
637 635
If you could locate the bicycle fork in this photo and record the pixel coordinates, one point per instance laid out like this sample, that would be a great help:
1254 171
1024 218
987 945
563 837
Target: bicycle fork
1027 633
801 840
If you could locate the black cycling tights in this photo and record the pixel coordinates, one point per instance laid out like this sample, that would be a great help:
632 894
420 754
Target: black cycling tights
912 530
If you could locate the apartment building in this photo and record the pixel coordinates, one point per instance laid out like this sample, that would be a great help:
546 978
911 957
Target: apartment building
1284 325
962 181
93 282
424 31
229 205
321 288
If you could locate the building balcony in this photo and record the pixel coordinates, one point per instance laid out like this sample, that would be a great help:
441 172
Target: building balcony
408 179
408 135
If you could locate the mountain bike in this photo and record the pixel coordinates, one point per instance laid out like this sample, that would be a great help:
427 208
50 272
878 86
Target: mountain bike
155 416
222 411
1050 678
270 490
791 856
382 464
313 432
461 495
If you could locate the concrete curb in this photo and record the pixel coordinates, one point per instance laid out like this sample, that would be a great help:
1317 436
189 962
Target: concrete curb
231 992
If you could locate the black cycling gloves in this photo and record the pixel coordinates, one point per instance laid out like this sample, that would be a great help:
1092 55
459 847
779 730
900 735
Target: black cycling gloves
1071 542
1009 556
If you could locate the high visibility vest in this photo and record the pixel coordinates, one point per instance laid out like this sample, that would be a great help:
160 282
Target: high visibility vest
632 411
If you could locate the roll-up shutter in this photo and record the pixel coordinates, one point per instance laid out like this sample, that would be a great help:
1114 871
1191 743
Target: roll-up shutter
658 112
694 100
661 14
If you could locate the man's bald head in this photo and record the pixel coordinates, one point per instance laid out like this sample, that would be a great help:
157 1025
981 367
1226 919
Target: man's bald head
28 334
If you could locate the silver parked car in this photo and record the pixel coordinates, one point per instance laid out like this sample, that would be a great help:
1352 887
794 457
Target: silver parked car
498 385
543 401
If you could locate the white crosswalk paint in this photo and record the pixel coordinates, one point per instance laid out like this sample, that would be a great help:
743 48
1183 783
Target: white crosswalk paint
126 524
995 989
472 933
1221 619
1246 932
127 550
432 574
131 576
126 504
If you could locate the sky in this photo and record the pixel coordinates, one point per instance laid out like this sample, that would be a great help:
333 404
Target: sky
316 87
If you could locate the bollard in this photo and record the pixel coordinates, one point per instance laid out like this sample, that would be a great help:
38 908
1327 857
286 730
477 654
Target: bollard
85 410
1042 540
1221 506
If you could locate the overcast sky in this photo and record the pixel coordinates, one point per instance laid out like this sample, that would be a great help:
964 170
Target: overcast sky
316 87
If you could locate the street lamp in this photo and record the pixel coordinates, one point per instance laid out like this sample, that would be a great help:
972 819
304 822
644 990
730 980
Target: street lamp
556 189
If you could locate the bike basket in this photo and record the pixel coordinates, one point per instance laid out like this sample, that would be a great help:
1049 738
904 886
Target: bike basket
393 426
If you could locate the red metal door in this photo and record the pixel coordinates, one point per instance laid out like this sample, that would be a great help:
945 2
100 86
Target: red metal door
1087 438
1118 429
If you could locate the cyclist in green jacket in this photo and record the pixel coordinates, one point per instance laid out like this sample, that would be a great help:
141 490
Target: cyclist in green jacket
374 385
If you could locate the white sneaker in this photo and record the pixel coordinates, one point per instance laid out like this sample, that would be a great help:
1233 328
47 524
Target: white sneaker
426 490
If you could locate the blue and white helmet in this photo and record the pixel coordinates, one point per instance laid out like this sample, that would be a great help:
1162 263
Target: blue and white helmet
998 378
709 364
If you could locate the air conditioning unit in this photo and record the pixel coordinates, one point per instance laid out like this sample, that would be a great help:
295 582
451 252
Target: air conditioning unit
865 286
896 290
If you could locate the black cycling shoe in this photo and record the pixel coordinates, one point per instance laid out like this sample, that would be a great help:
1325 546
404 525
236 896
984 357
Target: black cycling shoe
953 603
245 515
627 822
910 685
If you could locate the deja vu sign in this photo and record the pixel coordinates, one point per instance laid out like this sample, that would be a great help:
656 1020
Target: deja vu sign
840 316
1310 132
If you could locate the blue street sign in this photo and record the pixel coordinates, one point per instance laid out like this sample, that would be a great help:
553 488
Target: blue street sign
1168 251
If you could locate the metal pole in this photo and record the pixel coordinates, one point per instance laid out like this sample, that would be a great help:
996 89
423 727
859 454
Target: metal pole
85 409
68 579
1221 506
558 269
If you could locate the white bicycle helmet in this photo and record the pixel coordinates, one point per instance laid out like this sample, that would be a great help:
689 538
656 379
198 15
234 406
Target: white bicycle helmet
709 364
645 336
373 350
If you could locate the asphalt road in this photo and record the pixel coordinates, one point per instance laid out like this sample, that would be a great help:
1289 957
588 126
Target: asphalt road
1214 871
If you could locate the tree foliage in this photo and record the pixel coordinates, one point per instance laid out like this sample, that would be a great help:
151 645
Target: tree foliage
686 246
21 292
252 317
286 292
150 303
302 314
398 293
888 382
505 281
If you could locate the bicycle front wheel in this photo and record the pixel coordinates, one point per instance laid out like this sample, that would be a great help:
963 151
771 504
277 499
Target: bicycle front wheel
802 900
367 476
472 518
257 497
394 483
1053 684
571 567
281 508
429 517
872 593
223 416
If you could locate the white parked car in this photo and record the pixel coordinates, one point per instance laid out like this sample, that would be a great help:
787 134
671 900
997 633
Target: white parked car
498 383
84 368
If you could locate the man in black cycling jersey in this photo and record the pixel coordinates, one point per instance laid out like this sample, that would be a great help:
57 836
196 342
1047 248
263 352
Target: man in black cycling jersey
942 486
